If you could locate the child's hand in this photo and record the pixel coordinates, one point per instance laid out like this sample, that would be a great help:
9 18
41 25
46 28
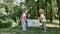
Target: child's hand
38 18
41 19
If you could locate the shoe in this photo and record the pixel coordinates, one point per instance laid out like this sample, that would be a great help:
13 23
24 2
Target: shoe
24 29
43 31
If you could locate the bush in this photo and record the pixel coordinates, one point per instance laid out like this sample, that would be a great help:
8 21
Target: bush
5 23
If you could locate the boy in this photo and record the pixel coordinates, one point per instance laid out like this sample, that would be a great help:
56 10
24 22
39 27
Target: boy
42 19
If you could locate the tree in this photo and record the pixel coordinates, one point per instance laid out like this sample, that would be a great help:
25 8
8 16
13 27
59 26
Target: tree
38 5
51 11
58 3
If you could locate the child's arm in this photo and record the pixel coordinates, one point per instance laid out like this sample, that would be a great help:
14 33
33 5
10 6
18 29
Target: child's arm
25 18
39 18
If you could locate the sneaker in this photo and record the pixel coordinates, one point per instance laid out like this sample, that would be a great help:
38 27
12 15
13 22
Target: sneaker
43 31
24 29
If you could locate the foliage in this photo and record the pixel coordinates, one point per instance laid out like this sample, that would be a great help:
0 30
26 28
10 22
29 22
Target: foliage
9 11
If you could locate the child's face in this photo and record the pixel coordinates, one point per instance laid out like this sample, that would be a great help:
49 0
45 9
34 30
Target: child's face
26 11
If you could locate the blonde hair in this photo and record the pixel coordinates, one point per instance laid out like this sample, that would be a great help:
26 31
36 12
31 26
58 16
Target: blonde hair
41 10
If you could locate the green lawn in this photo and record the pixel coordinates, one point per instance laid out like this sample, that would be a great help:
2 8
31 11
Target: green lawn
18 30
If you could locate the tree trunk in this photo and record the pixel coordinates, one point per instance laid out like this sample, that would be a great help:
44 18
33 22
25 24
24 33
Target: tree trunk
38 5
38 8
46 9
58 3
6 7
51 11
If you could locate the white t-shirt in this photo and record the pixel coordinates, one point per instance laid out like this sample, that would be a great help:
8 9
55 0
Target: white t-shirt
42 16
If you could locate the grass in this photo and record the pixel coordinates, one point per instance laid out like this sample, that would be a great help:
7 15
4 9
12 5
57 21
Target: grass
31 30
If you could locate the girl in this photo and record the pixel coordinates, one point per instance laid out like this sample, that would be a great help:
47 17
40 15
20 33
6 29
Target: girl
42 19
23 19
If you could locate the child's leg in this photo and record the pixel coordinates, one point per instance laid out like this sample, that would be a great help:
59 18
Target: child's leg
44 26
23 25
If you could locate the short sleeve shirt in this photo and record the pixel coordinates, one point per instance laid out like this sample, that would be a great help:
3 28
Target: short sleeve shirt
23 17
42 16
